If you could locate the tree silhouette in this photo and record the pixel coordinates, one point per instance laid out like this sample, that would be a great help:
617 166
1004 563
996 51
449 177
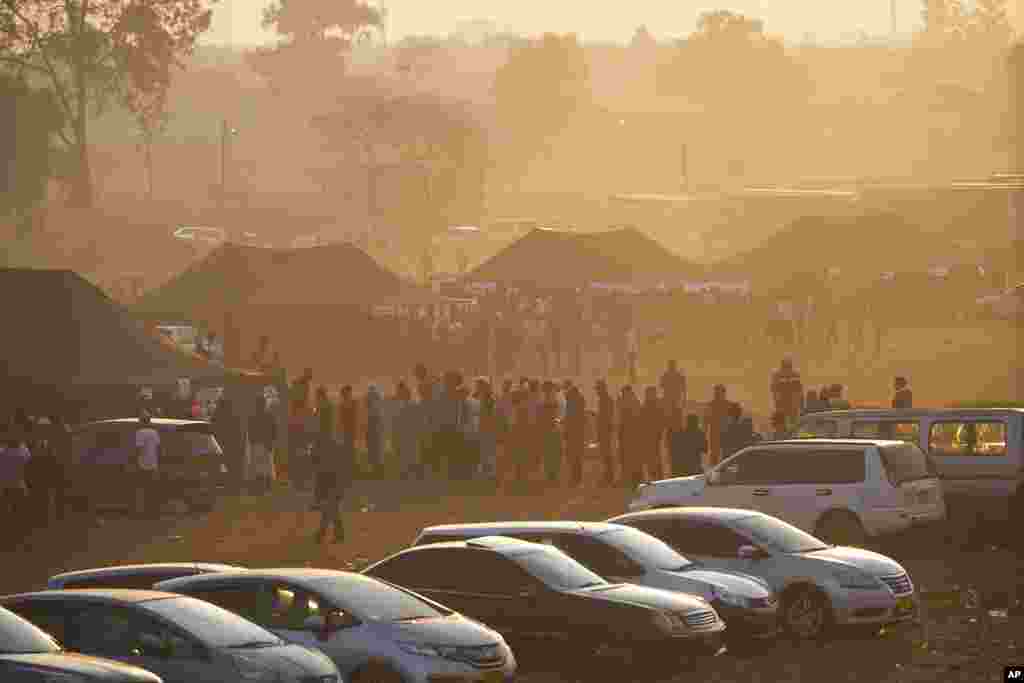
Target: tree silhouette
89 53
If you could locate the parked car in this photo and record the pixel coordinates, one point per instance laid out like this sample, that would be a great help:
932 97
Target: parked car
372 630
977 452
844 491
29 655
536 595
181 639
141 576
819 585
622 553
192 464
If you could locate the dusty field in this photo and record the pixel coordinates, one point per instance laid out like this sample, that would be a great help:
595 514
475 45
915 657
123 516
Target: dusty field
277 531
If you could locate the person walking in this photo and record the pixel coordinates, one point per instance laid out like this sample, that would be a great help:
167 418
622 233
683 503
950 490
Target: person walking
263 432
575 433
324 447
687 446
652 434
606 430
629 433
673 386
902 396
147 467
717 414
374 429
404 433
334 472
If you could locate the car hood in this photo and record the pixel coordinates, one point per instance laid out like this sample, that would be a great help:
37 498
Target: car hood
858 558
289 661
92 668
740 584
454 630
643 596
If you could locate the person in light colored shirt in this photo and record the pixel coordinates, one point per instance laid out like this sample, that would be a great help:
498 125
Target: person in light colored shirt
147 448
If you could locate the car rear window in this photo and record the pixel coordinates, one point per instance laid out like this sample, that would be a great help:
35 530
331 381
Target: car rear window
906 462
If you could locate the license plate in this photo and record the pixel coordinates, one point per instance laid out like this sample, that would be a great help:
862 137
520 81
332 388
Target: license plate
905 604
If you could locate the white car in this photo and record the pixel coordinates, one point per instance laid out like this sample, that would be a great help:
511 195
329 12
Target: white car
819 585
844 491
201 234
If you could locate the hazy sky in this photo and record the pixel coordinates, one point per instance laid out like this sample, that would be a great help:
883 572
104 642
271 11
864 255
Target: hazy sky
238 21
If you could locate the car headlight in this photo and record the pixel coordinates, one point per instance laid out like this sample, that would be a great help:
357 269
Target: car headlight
854 580
426 650
727 598
669 622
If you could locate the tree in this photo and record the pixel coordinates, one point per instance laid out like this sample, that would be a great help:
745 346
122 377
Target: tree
90 53
314 33
730 62
28 156
543 83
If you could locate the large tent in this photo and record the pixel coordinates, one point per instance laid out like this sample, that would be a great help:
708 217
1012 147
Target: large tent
65 338
551 259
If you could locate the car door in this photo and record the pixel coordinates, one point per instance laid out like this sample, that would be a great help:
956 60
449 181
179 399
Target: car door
130 636
505 597
736 481
706 542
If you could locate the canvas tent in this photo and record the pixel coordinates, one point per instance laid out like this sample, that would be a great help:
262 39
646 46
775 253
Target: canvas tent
551 259
65 338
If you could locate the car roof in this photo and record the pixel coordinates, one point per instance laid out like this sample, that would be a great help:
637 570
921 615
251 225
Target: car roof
143 568
909 412
295 574
119 595
503 545
723 514
497 528
829 442
156 421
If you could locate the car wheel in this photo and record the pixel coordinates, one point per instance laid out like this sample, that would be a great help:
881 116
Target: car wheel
805 613
841 528
376 673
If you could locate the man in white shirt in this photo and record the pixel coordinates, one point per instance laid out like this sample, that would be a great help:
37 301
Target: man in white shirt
147 449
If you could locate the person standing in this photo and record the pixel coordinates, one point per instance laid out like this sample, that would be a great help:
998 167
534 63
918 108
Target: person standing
606 430
404 433
629 433
548 431
575 432
487 428
788 392
347 418
717 414
902 396
686 446
652 433
374 429
324 446
147 454
263 432
632 352
673 385
334 472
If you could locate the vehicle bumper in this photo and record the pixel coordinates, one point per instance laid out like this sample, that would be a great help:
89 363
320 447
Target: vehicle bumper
875 607
436 670
749 623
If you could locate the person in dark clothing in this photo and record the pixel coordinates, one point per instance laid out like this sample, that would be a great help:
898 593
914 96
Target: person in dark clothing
902 396
686 446
605 430
263 437
652 433
575 432
227 426
673 386
334 472
324 447
61 448
732 433
347 418
548 432
629 434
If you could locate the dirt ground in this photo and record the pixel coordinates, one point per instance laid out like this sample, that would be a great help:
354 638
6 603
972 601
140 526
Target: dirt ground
276 530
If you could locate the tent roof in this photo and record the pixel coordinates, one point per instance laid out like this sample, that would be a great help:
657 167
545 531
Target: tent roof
63 331
235 275
554 259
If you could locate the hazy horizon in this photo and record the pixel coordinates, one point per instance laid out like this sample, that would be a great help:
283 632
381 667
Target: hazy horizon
238 21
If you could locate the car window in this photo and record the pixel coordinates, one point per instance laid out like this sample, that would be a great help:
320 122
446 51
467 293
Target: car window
290 606
425 569
557 570
20 635
659 527
844 466
597 556
368 598
906 462
888 430
209 623
113 631
756 467
644 548
250 600
968 438
819 428
483 572
779 535
707 539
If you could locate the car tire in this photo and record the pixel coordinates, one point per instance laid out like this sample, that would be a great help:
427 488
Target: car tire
376 673
805 614
841 528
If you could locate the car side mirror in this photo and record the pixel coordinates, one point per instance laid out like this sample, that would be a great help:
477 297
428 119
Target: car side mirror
749 552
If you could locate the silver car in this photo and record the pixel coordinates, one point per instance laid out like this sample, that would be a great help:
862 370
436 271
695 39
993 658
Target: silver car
373 631
818 584
181 639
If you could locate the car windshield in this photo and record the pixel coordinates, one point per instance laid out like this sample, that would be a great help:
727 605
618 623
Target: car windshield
780 536
370 599
19 637
645 549
210 624
906 462
557 570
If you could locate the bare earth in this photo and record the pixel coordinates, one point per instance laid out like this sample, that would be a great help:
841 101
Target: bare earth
277 530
